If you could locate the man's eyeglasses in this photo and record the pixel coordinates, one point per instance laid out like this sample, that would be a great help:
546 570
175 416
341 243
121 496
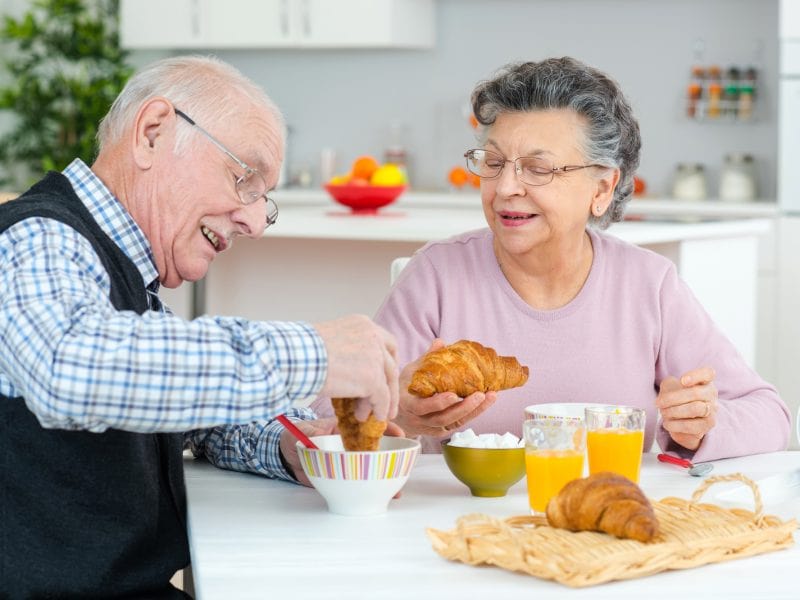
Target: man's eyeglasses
251 185
532 170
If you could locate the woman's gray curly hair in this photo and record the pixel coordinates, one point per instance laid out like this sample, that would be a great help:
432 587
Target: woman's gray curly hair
612 133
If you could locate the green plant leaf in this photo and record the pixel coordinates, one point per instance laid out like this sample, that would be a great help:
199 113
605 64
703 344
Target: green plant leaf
64 68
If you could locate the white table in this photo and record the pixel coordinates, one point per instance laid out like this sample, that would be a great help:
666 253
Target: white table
256 538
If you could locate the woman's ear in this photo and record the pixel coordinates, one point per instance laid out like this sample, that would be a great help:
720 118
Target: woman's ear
153 127
604 191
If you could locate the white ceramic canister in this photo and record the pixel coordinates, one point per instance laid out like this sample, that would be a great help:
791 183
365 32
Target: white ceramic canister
689 182
737 179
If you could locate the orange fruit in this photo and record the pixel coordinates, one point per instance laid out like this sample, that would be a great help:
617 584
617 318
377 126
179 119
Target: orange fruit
458 176
364 167
473 122
474 180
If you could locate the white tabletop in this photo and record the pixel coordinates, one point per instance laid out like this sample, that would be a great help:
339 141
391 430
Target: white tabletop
253 537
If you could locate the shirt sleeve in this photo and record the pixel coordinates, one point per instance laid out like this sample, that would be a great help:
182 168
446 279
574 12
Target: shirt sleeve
253 447
751 417
81 364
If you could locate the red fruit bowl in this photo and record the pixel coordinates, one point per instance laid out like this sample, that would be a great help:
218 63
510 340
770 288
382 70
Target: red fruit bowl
364 199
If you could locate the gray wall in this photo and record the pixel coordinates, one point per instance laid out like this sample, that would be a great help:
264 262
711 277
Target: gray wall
353 100
349 99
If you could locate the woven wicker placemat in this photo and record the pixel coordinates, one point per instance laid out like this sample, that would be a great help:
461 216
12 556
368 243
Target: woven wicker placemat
692 534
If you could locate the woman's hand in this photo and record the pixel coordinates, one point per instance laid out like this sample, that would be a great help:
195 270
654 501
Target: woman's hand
439 414
688 406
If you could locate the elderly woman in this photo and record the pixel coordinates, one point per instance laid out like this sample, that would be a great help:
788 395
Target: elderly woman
596 319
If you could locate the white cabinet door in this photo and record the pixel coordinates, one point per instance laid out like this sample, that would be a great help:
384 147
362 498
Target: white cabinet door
248 23
365 23
277 23
161 24
789 19
789 145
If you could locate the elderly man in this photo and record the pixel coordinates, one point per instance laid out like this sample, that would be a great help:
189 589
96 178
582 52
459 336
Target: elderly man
101 388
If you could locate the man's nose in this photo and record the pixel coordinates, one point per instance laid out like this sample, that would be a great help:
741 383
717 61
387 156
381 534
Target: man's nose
251 219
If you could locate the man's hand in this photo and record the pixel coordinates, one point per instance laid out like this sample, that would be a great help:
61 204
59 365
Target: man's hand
327 426
688 406
439 414
362 363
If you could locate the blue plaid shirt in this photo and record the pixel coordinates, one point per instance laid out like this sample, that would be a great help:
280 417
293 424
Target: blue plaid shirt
80 364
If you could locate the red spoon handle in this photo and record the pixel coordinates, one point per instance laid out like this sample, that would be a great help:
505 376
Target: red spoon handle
674 460
296 432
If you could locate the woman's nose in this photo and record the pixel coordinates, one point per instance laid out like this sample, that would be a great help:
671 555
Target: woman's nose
508 181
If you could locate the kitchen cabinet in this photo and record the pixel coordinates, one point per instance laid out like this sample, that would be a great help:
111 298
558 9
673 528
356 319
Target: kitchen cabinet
276 24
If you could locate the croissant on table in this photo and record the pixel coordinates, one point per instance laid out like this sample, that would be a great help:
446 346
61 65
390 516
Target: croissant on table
604 502
464 368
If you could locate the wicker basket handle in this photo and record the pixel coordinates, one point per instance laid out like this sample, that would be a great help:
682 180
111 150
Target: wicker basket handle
759 505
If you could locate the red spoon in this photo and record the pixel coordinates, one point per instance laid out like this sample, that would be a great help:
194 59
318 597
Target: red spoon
698 470
296 432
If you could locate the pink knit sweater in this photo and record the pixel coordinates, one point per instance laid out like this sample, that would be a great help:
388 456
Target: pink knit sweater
633 323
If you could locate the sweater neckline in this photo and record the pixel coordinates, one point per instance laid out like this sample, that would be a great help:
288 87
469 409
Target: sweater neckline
557 313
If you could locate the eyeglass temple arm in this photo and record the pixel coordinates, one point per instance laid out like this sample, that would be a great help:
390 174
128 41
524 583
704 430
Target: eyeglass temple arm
212 139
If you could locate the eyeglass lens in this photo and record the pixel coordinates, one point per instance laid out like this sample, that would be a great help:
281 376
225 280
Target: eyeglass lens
530 169
251 187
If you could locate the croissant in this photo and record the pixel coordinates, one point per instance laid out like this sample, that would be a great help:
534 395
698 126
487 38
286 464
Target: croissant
604 502
357 435
464 368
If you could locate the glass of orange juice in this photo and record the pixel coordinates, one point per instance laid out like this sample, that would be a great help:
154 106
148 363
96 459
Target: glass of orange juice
615 439
554 449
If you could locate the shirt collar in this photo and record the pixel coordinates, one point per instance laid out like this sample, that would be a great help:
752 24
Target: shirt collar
112 217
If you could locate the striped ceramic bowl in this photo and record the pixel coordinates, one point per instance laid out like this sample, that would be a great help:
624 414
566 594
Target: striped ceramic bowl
358 483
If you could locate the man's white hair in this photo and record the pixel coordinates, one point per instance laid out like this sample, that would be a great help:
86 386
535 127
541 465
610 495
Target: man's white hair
204 87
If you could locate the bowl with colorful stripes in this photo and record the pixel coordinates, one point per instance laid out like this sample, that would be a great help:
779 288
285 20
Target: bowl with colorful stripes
358 483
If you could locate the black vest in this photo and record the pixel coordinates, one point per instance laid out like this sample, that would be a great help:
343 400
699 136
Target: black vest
87 515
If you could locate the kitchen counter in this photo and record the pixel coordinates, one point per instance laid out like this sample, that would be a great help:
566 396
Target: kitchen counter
253 537
425 217
320 262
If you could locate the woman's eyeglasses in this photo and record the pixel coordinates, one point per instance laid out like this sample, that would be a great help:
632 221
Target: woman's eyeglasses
532 170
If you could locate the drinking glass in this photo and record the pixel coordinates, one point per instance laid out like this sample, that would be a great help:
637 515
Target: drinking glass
554 450
615 439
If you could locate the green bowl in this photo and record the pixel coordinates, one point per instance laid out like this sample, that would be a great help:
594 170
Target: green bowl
487 472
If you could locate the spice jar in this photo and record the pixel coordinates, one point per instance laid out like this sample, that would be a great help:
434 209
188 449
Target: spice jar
689 182
737 179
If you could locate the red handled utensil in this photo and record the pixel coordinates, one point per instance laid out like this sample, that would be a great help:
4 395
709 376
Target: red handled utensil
296 432
698 470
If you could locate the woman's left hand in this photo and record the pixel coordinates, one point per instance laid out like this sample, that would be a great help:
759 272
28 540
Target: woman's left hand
688 406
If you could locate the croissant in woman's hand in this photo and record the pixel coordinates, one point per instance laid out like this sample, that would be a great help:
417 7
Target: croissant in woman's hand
464 368
604 502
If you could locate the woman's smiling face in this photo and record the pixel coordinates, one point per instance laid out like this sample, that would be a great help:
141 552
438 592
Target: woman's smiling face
522 216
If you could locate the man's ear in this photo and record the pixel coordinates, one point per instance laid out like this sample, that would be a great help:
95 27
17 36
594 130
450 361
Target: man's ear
153 127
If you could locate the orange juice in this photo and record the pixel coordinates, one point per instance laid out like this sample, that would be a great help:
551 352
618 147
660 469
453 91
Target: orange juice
616 450
548 471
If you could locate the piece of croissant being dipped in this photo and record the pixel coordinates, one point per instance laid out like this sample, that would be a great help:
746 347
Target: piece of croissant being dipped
357 435
464 368
604 502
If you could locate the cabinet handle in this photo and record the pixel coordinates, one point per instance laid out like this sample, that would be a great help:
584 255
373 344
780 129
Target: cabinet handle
306 18
196 18
285 18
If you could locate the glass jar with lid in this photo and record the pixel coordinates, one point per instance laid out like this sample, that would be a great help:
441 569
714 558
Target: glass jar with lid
737 179
689 182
